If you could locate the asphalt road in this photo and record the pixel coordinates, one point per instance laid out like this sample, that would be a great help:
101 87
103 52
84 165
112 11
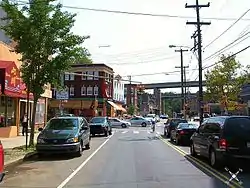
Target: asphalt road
131 158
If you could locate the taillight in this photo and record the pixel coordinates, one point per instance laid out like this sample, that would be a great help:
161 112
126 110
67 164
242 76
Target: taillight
182 132
223 144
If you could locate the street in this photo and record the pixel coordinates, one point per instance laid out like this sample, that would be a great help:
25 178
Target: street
134 158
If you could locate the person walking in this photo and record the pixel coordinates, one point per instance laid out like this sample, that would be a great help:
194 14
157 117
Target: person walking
24 121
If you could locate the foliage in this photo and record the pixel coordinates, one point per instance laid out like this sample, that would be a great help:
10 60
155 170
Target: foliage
48 47
82 57
224 80
171 105
131 110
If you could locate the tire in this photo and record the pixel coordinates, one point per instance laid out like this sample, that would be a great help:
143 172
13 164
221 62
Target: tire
177 141
87 146
79 152
143 124
171 139
192 150
123 125
106 133
110 132
213 159
165 134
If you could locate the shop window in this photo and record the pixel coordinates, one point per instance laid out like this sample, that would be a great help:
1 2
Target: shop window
96 75
96 91
72 76
91 74
66 76
40 111
7 111
84 77
83 90
90 90
71 91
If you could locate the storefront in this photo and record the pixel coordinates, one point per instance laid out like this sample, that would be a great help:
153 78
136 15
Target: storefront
115 109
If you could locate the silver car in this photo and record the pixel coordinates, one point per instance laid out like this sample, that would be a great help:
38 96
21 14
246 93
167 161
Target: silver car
140 121
115 122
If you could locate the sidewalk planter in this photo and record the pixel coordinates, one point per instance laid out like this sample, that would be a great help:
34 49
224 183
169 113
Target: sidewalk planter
8 132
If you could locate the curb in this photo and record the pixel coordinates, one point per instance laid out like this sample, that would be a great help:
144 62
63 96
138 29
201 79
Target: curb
11 164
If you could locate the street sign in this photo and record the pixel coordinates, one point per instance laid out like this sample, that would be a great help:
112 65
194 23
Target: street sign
62 95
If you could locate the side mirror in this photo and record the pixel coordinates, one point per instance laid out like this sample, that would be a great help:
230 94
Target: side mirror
40 129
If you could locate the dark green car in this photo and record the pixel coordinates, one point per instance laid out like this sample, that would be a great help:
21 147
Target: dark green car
100 125
64 135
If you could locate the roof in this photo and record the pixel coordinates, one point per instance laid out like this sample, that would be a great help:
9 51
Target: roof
66 117
92 65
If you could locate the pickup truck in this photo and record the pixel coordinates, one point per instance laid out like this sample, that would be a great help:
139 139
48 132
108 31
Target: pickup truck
1 162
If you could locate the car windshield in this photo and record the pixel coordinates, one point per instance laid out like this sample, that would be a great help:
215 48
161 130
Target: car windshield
187 125
62 124
176 122
239 126
97 120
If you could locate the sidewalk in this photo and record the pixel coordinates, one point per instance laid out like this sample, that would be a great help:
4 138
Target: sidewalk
16 141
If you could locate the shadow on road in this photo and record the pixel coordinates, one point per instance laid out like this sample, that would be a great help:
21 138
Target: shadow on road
49 157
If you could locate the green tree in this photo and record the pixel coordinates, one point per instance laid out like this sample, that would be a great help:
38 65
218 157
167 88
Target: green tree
223 80
131 110
83 56
45 41
171 105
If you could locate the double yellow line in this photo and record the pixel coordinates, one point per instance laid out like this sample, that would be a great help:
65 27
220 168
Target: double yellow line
203 165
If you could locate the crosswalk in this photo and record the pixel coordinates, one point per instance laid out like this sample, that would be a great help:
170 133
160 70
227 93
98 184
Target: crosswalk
137 132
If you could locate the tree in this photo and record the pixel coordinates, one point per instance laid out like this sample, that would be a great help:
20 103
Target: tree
171 105
223 80
131 110
83 56
43 38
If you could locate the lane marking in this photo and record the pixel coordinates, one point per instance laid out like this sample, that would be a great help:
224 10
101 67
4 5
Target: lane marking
124 132
83 164
136 132
201 164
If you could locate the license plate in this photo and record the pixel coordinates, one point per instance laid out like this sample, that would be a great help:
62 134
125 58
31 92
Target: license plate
248 144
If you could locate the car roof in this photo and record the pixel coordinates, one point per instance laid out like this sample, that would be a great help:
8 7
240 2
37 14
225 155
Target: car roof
67 117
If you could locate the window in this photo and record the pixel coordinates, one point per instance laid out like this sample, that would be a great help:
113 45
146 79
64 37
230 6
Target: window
106 77
84 77
40 111
90 90
96 91
71 77
83 90
66 76
90 77
7 111
238 127
72 91
96 74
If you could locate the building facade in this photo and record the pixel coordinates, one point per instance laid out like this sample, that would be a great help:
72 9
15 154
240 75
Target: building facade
89 89
131 95
118 90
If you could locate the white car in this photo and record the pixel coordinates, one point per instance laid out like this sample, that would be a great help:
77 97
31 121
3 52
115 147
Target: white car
140 121
115 122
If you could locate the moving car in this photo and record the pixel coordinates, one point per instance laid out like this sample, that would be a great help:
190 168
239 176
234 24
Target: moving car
64 135
171 124
140 121
222 139
100 125
115 122
183 132
1 162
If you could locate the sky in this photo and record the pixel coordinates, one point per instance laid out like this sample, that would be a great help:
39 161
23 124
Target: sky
140 44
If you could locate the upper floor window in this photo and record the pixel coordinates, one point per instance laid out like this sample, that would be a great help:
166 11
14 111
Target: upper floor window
83 90
90 77
90 90
96 90
66 76
96 75
71 91
71 76
106 77
84 77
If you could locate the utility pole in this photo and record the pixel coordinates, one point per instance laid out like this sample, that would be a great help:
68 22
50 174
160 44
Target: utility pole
182 76
198 23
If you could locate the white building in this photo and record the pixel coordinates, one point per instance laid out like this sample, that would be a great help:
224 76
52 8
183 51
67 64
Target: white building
118 89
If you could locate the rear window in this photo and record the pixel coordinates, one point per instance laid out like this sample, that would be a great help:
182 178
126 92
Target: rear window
238 127
176 122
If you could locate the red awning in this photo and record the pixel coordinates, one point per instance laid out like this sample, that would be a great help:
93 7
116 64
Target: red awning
12 84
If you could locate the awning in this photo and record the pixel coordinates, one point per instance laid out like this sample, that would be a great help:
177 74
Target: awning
121 108
117 106
11 85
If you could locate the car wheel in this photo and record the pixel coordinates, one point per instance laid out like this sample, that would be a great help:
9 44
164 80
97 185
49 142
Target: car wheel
213 159
123 125
110 132
79 152
143 125
106 133
177 141
192 150
87 146
165 134
171 139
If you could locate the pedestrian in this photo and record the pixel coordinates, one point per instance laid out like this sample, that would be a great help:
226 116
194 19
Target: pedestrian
24 121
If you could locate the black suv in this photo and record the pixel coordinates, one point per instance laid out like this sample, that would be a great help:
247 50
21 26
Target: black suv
222 139
171 124
100 125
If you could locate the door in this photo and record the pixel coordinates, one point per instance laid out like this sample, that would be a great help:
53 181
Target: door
197 138
115 122
85 130
135 121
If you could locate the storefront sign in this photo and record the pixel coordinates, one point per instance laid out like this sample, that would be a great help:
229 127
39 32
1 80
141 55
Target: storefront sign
62 95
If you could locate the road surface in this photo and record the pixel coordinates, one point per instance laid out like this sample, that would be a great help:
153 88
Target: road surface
130 158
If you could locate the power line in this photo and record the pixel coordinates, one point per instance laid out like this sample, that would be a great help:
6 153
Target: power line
210 43
142 14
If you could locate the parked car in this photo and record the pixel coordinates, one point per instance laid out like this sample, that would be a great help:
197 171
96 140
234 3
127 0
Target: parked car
115 122
183 132
222 139
140 121
171 124
157 118
164 116
1 162
100 125
64 135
